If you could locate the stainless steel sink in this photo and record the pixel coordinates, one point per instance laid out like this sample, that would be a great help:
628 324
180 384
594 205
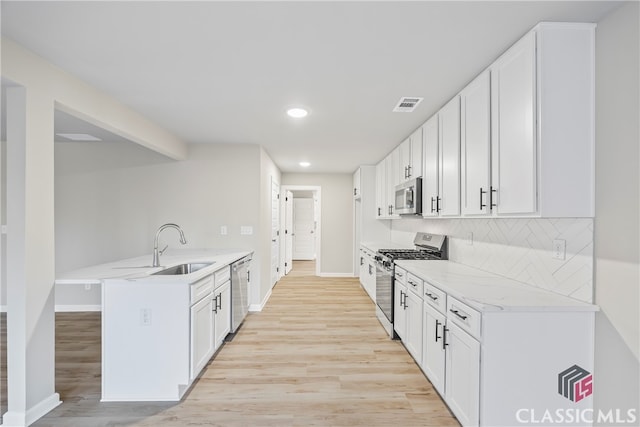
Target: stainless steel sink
183 268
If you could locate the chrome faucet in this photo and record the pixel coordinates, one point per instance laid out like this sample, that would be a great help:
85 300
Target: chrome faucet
156 252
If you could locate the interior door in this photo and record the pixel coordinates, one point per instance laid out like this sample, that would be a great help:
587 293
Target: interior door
304 225
275 231
288 232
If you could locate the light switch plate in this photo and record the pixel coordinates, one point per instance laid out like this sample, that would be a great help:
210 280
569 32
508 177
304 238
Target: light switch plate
246 230
223 230
559 249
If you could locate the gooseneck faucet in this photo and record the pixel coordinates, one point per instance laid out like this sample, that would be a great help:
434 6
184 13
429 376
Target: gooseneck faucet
156 252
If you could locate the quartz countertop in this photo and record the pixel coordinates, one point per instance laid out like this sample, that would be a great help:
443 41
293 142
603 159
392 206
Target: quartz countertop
489 292
140 268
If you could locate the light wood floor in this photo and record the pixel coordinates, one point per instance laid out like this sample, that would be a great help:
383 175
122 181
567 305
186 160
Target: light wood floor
315 356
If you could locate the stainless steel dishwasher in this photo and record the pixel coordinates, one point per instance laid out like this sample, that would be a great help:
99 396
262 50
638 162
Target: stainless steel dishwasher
240 275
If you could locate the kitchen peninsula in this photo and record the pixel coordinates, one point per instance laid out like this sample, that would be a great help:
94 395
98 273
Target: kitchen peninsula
161 325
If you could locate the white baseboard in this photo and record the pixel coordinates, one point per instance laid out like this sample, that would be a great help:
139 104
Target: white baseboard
259 307
70 308
337 275
21 419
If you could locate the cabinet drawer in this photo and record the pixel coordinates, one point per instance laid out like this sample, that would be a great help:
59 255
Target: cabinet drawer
400 275
201 288
464 316
435 297
414 283
222 276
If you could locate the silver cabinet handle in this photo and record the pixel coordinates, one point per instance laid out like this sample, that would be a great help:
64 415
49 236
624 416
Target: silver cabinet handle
457 313
433 297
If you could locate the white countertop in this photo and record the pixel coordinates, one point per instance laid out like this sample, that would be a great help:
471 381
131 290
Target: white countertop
489 292
140 267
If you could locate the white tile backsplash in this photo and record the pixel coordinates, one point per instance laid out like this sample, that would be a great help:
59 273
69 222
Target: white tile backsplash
518 248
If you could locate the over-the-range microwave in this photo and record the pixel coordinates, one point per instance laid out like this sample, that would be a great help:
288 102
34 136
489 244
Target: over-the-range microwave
409 197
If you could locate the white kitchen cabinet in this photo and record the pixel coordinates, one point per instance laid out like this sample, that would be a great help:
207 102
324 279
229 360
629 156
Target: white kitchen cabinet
222 313
399 310
441 175
413 319
431 173
475 141
202 334
381 190
368 272
462 375
393 178
357 192
411 156
543 123
449 138
433 349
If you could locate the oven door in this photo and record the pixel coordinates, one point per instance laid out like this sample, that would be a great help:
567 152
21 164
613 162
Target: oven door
384 289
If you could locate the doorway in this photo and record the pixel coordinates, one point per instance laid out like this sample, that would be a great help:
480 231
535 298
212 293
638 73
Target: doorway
302 225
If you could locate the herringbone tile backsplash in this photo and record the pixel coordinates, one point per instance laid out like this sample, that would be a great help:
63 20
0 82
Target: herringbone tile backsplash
520 249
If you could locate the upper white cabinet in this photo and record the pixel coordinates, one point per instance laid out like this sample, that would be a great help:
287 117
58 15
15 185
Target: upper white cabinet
430 178
411 157
449 168
542 95
357 192
393 179
381 190
475 140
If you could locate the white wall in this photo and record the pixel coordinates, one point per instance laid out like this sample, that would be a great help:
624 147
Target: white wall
111 198
617 235
336 253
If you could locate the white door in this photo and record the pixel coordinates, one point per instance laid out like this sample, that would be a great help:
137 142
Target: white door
275 231
288 232
304 225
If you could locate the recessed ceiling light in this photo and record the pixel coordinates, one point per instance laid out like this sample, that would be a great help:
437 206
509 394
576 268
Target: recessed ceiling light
305 164
79 136
297 113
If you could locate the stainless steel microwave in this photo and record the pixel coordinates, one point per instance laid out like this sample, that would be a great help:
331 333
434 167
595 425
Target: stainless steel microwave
409 197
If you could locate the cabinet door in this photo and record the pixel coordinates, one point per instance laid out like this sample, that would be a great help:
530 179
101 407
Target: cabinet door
475 139
415 161
430 176
400 310
393 179
356 183
363 268
449 134
413 328
201 334
514 134
381 189
433 350
222 322
462 384
405 160
371 278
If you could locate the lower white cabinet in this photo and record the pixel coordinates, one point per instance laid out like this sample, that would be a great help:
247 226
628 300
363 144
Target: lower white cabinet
413 325
462 383
222 313
368 272
202 329
433 347
399 313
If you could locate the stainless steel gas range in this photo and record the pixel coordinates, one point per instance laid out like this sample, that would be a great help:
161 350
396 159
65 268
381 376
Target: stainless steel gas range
427 247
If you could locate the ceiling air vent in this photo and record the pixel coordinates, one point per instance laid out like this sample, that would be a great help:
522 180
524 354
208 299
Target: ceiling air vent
407 104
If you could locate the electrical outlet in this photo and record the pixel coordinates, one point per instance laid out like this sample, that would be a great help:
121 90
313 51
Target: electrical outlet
223 230
145 317
470 238
246 230
87 286
559 249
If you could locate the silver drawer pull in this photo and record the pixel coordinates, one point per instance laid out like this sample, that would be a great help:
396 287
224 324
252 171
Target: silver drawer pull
399 274
412 283
433 297
457 313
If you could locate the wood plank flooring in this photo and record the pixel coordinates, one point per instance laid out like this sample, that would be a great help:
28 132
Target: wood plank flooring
315 356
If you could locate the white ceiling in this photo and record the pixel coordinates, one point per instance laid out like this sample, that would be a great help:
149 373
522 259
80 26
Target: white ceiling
225 72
